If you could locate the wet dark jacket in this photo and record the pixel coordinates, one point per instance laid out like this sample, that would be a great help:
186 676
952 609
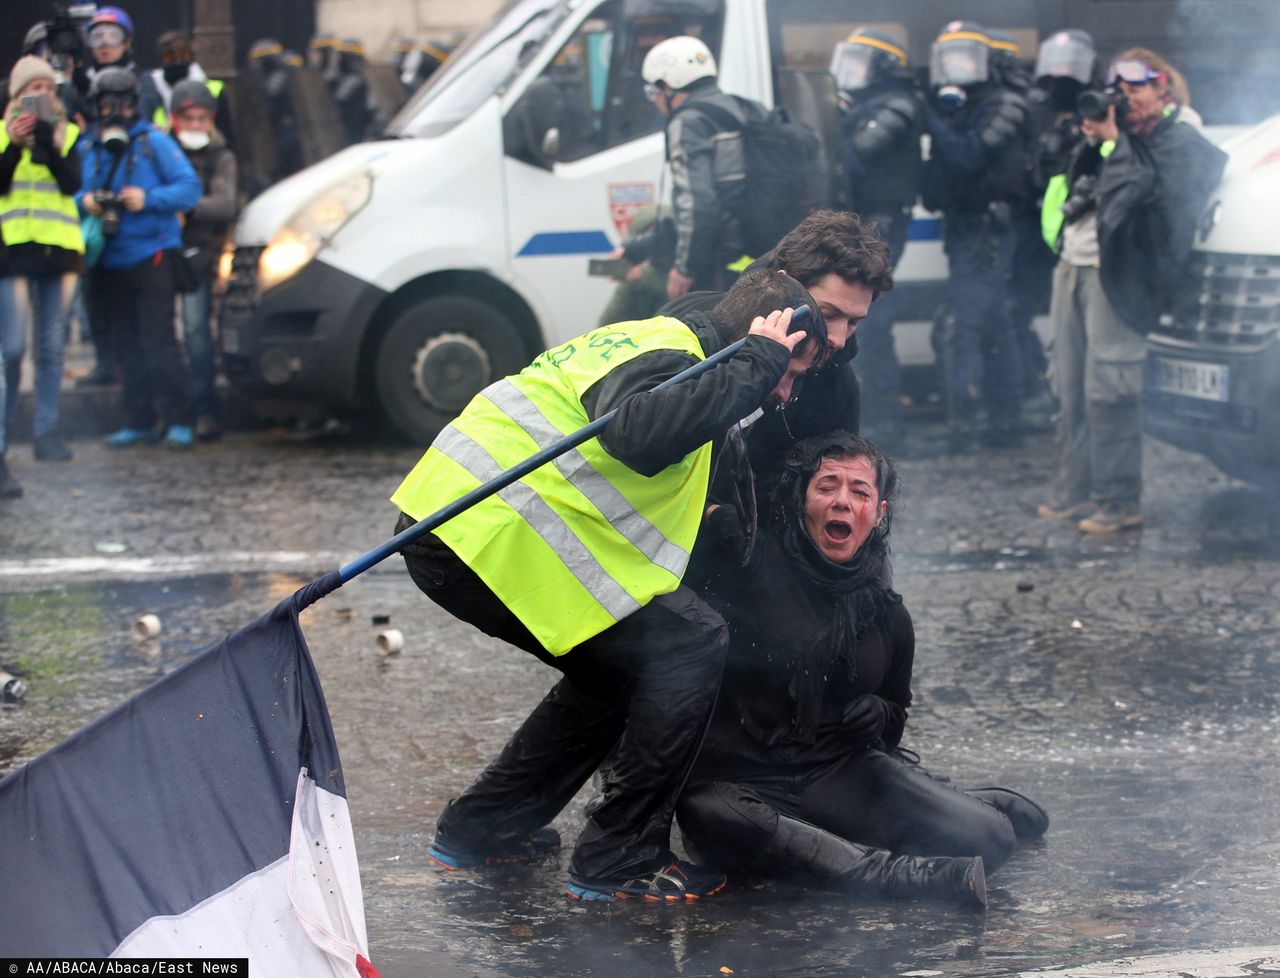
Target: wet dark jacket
708 175
1151 192
882 148
654 430
779 626
208 223
978 156
829 400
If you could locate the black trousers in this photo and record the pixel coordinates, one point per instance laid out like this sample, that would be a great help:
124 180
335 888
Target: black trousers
134 307
645 685
869 798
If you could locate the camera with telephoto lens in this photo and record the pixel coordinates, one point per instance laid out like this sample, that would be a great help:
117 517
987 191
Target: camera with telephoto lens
110 216
1083 198
1093 104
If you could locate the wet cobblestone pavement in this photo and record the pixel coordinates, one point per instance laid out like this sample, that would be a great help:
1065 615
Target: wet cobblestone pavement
1129 684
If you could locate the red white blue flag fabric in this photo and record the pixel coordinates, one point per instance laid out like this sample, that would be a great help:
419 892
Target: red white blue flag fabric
206 817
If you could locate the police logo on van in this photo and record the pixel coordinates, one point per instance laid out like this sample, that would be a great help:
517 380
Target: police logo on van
624 200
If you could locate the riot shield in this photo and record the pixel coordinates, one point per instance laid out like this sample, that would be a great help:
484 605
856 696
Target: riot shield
386 93
256 153
320 130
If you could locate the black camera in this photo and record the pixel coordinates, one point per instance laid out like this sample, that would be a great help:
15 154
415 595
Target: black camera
65 30
1093 104
1083 198
110 216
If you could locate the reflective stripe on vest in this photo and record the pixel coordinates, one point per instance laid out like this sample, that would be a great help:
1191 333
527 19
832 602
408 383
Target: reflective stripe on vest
35 211
583 541
549 524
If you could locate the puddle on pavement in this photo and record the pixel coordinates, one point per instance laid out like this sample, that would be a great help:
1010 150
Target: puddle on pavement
1155 760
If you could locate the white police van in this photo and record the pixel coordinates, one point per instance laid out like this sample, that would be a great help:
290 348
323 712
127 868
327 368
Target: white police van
406 274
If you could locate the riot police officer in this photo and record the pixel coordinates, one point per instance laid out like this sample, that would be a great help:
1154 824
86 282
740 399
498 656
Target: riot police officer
266 56
883 120
1033 262
974 175
351 91
1065 66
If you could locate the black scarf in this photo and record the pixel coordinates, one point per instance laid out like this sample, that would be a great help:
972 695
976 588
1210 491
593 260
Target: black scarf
860 600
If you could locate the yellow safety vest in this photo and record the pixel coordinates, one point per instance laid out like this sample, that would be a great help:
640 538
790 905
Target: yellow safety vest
35 210
583 541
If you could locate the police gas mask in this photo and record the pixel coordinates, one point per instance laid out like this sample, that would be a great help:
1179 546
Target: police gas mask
950 98
115 112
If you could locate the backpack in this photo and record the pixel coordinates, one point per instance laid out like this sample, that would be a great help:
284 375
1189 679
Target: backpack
785 174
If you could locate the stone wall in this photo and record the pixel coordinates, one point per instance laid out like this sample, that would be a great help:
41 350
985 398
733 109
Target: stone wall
378 22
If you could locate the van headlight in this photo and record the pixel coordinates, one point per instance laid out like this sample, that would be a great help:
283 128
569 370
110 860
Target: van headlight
304 234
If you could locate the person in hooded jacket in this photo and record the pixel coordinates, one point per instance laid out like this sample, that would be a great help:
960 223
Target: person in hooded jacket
137 181
43 246
976 175
204 232
883 120
1125 213
798 775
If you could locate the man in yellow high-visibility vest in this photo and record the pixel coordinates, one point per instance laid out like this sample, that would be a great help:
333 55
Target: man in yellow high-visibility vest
580 563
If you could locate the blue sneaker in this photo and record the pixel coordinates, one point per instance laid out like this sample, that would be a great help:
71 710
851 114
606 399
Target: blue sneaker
179 436
674 883
128 437
536 845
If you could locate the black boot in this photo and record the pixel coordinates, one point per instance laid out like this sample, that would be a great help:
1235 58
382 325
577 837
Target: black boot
1030 821
9 488
809 854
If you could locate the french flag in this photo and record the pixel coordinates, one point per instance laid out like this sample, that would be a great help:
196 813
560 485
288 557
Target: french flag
206 817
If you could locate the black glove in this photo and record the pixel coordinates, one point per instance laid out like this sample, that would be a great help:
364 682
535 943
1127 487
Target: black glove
865 719
42 142
724 529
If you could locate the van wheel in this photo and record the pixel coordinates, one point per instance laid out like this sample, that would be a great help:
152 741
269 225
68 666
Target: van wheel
437 355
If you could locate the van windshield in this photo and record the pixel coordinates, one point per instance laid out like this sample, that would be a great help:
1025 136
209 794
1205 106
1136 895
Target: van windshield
485 64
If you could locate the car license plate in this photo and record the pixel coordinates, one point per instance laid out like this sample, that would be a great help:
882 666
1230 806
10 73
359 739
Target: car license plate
1190 378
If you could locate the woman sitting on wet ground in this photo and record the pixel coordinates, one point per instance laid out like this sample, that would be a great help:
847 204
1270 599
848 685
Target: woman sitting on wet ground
799 775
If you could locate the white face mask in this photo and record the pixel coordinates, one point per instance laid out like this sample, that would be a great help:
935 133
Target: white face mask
193 140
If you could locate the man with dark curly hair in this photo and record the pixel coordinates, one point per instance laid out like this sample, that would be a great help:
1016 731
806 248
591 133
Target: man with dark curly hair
845 266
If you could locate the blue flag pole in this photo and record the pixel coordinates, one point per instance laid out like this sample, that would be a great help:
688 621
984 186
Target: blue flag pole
428 523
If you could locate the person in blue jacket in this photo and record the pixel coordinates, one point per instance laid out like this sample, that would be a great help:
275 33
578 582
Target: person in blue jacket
137 181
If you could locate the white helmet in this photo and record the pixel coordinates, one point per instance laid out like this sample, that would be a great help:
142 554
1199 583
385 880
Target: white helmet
678 62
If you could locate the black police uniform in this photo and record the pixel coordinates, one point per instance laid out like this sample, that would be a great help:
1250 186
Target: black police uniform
975 175
882 154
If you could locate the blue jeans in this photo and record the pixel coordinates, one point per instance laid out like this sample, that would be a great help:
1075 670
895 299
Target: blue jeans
47 296
197 334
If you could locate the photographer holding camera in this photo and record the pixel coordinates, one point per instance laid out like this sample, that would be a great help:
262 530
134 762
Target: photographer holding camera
39 175
137 181
1125 215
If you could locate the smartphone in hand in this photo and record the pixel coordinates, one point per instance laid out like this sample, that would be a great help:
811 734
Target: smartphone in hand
39 106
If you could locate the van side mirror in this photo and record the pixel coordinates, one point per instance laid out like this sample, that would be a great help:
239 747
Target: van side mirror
551 143
531 130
